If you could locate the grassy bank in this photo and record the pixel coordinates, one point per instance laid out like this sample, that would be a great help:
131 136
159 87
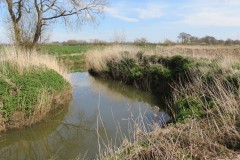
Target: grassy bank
31 85
202 86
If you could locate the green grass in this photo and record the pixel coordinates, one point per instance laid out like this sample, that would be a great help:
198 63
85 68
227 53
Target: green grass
20 92
75 63
61 50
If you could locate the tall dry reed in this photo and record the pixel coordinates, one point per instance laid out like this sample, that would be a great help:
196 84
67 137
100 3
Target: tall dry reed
97 59
26 60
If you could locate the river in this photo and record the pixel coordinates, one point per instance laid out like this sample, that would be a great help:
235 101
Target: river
100 113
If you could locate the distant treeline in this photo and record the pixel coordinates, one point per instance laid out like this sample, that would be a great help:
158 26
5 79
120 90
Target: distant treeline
183 38
140 41
186 38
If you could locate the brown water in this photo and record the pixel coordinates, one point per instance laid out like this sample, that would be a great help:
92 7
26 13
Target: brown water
100 112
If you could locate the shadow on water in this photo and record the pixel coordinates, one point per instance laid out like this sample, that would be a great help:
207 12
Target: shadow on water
72 131
117 89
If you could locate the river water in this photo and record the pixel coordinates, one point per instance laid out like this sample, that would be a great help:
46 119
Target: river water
100 113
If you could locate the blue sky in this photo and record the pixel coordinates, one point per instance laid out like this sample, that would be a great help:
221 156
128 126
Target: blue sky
157 20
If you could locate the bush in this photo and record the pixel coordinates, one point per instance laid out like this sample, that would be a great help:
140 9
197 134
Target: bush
179 64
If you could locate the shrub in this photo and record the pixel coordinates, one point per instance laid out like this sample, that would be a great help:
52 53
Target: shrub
179 64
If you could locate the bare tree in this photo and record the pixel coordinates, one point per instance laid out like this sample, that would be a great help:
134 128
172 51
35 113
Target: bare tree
194 39
119 37
140 41
209 40
40 14
184 37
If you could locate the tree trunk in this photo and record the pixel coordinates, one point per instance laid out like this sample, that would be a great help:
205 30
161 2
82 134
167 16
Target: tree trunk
17 31
38 31
37 34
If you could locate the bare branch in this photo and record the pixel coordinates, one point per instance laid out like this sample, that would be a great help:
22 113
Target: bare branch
19 10
45 12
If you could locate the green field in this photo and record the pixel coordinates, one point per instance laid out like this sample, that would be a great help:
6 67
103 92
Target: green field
74 63
60 50
68 49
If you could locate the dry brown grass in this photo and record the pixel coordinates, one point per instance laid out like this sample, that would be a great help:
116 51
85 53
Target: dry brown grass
28 60
96 59
225 56
199 51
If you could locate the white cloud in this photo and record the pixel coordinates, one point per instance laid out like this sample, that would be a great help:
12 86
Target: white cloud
115 12
150 12
212 19
80 35
127 19
218 13
127 12
233 36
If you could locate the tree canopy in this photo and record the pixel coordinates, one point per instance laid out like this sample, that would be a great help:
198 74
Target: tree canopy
29 19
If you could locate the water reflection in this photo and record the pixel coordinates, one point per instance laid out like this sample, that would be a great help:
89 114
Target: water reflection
72 132
120 91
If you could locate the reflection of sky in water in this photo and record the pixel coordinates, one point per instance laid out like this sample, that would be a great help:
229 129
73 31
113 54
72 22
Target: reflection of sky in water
72 132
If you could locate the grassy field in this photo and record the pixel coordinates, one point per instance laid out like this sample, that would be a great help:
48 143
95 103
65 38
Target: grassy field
74 63
203 89
63 50
31 85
